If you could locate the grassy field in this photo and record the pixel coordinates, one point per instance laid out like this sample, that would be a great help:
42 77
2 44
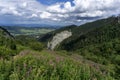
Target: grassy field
35 31
48 65
28 30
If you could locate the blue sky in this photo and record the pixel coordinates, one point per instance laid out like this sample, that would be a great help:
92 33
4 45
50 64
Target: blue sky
56 12
50 2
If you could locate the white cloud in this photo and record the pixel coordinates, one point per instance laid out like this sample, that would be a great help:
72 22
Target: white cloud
45 15
62 15
56 19
24 4
34 15
85 9
56 9
68 7
92 14
64 12
10 11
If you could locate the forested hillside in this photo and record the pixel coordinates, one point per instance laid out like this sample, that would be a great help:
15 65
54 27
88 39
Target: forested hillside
94 32
77 31
7 44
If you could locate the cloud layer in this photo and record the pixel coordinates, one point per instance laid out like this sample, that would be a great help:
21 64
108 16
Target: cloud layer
61 13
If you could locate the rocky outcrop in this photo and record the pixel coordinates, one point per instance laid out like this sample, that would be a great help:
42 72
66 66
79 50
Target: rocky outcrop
58 38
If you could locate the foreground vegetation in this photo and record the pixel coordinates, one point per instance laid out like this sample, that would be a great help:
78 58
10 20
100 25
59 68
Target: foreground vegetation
35 63
31 65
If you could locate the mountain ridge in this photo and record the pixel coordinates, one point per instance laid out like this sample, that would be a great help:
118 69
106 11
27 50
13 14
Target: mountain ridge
108 30
79 31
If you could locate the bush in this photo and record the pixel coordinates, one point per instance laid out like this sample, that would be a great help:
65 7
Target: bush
36 46
6 53
13 46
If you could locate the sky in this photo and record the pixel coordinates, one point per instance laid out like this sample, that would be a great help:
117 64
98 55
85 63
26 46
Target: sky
56 12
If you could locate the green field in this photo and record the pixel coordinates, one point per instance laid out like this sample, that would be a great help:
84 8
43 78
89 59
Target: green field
35 31
28 30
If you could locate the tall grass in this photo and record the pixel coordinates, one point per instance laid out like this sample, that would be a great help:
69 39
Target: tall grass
45 66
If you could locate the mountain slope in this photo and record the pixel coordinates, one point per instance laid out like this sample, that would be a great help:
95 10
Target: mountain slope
78 31
49 36
4 32
7 43
92 33
5 37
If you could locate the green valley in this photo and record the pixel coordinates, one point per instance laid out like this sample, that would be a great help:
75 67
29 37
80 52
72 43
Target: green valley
14 30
